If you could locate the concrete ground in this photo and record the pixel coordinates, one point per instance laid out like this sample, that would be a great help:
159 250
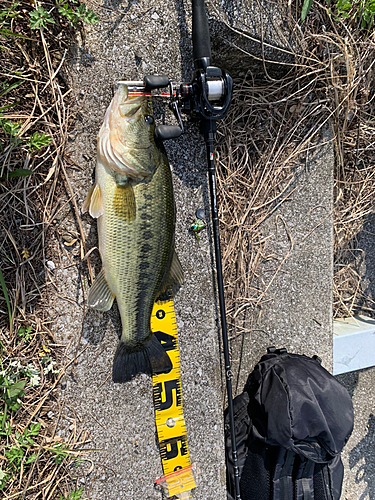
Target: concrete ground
297 310
359 454
130 41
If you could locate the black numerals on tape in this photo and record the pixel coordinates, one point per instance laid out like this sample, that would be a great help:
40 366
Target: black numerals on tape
164 393
171 448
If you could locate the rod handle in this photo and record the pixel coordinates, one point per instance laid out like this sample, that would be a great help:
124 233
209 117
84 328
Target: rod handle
201 36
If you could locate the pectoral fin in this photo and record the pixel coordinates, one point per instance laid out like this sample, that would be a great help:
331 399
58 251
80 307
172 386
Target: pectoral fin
124 202
100 296
94 202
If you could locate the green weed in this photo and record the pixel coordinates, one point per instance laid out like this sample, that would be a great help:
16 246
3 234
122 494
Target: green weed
39 18
305 9
81 13
74 495
6 297
60 450
365 13
3 478
8 87
11 128
19 447
25 334
48 365
19 172
358 13
38 141
6 15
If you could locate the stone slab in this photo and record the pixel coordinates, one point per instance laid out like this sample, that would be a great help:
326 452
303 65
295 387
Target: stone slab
131 41
296 312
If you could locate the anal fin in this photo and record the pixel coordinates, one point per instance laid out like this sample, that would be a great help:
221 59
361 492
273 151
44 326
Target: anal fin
173 278
100 296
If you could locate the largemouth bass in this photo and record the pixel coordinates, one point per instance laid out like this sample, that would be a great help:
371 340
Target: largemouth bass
132 198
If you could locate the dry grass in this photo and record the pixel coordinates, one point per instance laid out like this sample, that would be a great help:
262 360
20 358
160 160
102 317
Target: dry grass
266 136
35 100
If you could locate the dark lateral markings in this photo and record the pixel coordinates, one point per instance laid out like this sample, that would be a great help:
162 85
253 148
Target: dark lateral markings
167 389
171 448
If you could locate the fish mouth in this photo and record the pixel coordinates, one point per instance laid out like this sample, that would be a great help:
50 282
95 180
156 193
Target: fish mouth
126 131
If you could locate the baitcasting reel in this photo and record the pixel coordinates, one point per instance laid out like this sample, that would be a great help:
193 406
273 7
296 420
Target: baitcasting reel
206 98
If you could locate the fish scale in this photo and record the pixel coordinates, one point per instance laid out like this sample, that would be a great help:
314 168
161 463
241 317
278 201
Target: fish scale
129 246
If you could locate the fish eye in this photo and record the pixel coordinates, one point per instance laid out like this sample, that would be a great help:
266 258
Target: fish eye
149 119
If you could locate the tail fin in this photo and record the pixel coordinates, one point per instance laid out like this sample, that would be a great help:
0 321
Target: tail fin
146 357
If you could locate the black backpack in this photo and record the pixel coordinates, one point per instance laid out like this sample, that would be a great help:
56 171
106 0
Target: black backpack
291 423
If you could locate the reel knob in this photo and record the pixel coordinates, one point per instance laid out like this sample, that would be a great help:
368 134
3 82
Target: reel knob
153 82
166 132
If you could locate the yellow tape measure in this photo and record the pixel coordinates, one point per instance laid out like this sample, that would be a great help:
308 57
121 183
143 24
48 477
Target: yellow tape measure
170 423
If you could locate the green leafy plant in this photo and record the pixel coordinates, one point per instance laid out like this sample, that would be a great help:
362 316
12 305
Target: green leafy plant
17 446
60 450
87 15
6 297
305 9
25 334
38 141
25 439
343 7
74 495
366 13
3 478
8 87
11 128
6 14
20 172
28 371
75 15
48 365
17 454
39 18
11 392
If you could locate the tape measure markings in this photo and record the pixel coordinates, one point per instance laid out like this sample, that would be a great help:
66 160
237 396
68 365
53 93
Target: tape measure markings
169 417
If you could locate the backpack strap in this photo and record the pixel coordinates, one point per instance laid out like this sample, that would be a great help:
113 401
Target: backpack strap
304 479
282 478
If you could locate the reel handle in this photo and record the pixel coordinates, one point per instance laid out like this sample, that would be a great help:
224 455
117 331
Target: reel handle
201 36
166 132
153 82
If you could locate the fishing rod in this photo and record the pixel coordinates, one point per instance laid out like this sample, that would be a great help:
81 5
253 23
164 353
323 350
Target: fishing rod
206 98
